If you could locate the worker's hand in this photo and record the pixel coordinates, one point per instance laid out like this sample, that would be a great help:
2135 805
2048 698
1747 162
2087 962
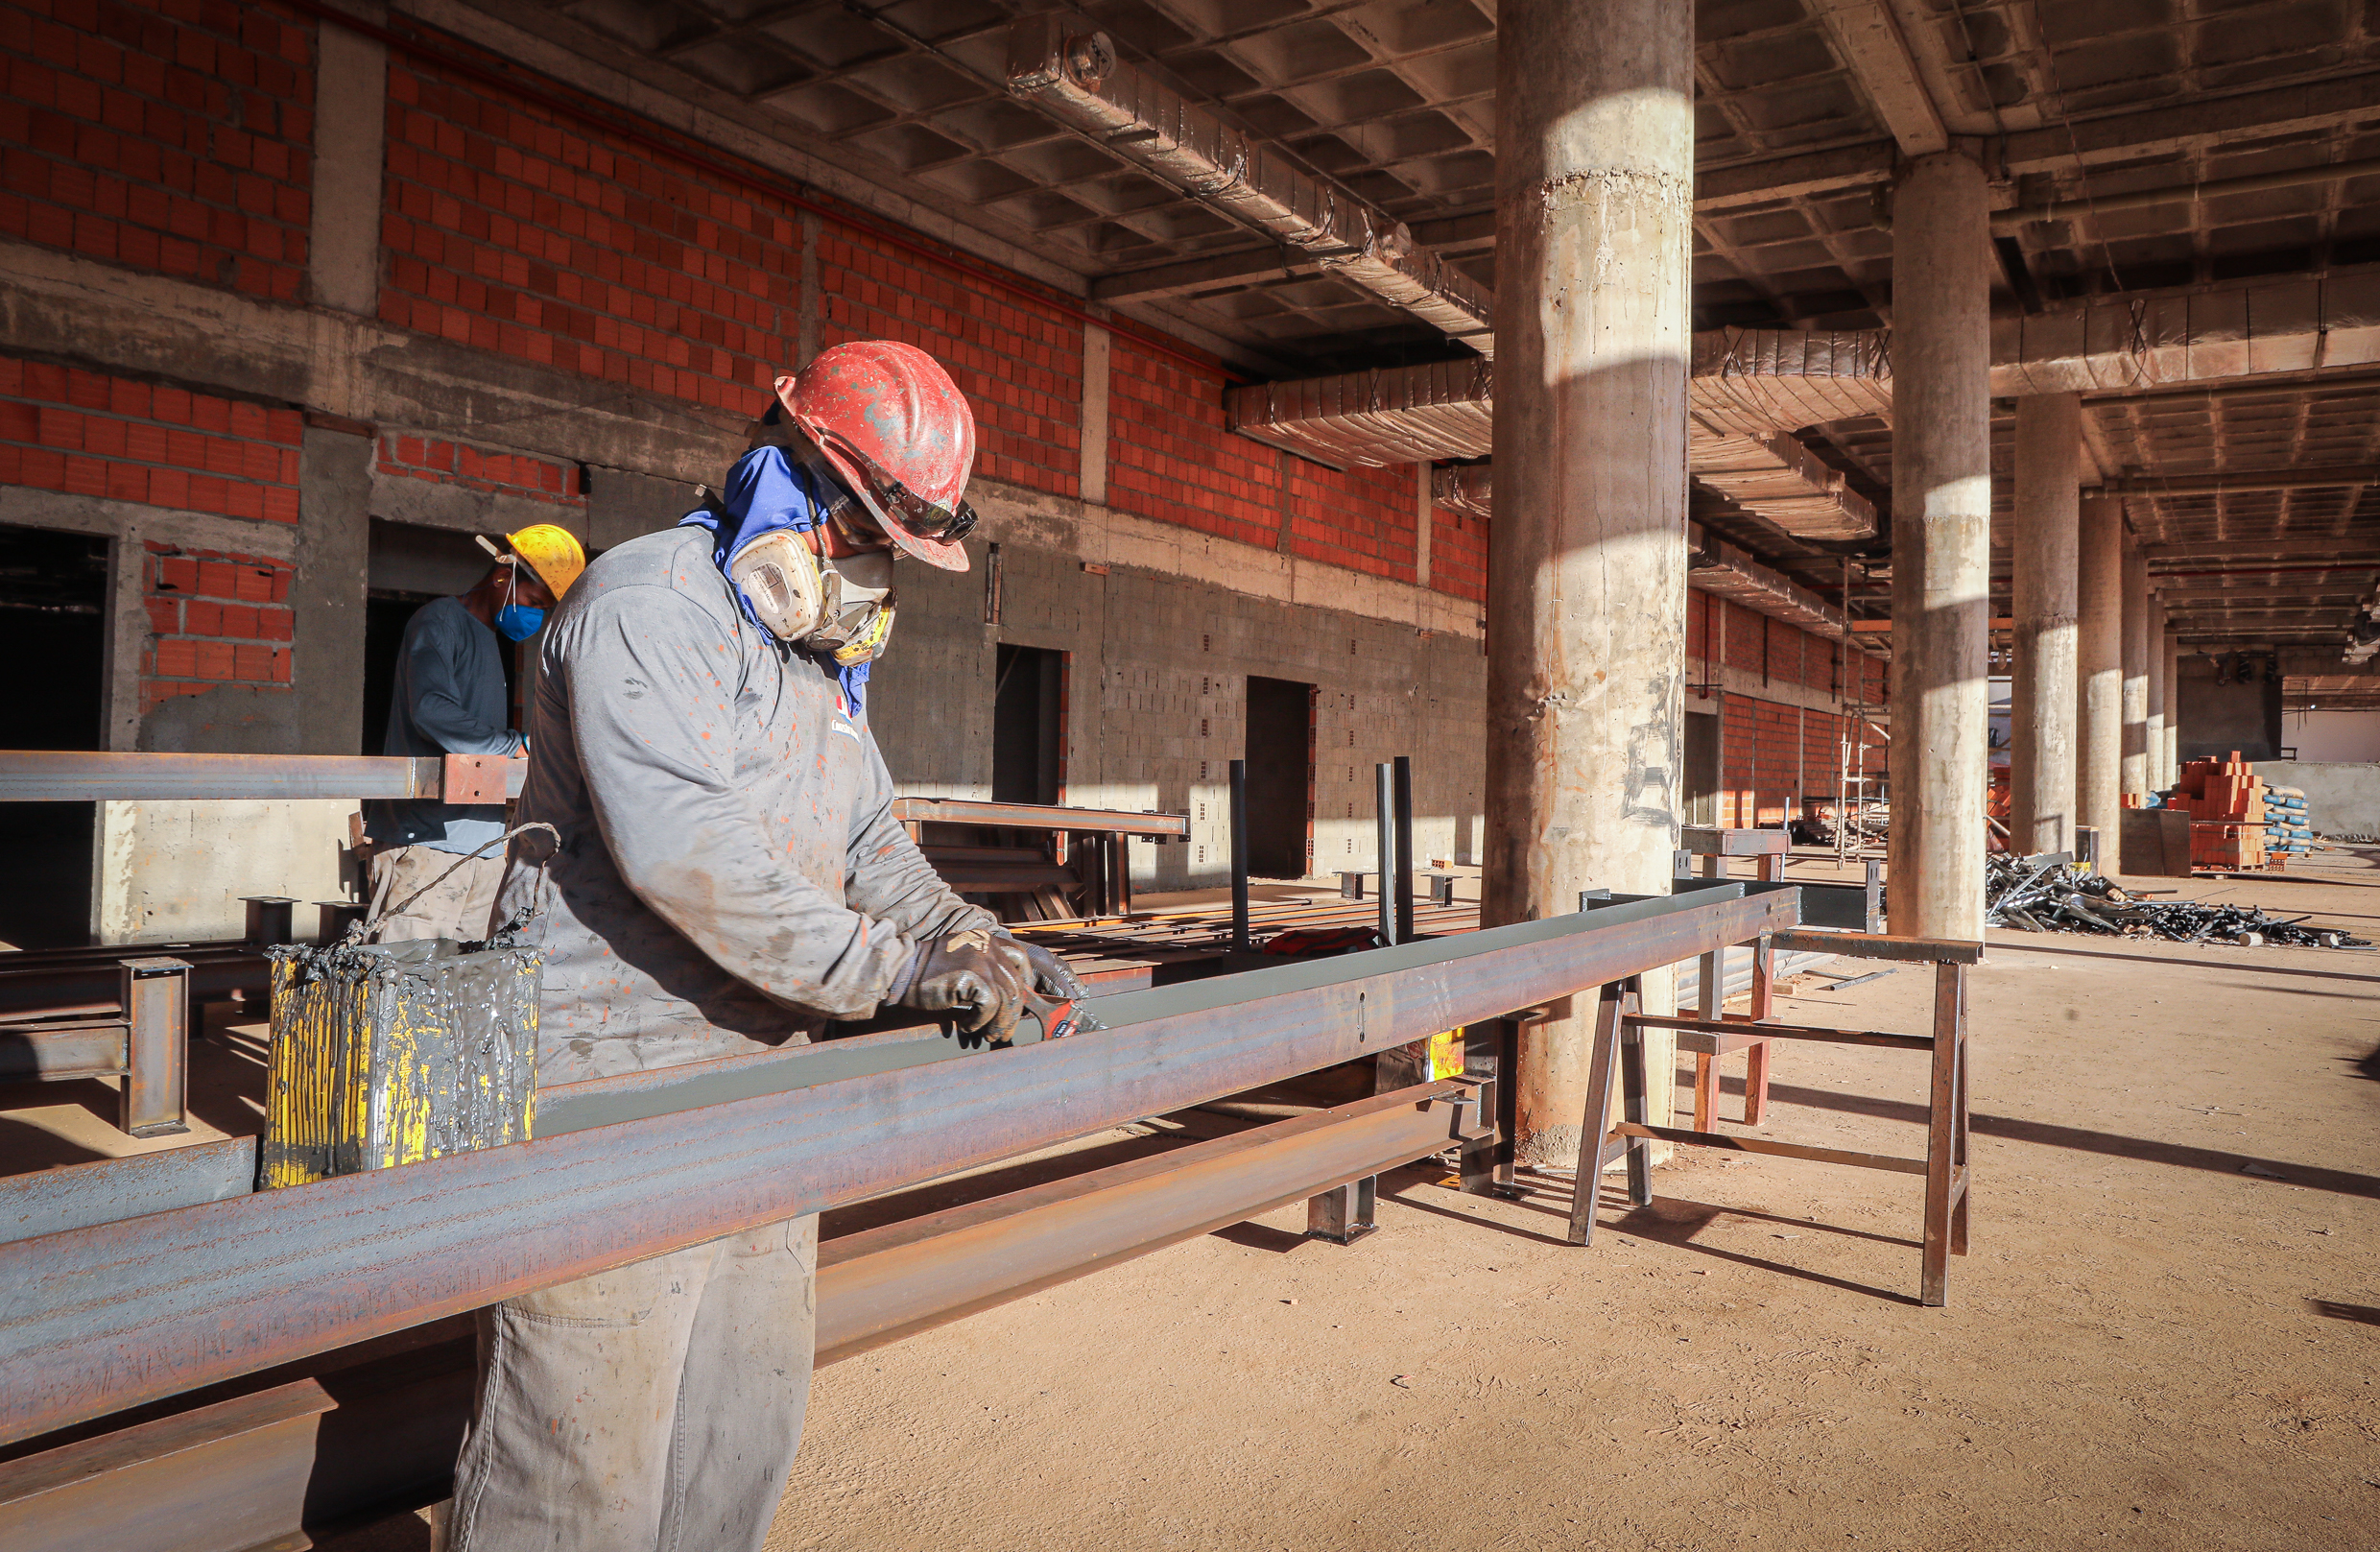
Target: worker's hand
978 976
1047 973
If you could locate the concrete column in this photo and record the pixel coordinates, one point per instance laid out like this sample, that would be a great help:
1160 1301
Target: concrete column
809 307
1098 353
350 121
2158 780
335 458
1941 546
2173 708
1425 525
2100 668
326 595
2135 767
1586 588
2041 705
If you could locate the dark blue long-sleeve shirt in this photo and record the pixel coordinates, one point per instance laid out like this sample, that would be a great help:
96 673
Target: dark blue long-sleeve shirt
449 700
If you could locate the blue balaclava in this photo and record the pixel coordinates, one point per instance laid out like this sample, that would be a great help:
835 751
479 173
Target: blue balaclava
767 492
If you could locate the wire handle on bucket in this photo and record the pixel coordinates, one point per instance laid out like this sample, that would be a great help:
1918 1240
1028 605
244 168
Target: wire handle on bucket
364 930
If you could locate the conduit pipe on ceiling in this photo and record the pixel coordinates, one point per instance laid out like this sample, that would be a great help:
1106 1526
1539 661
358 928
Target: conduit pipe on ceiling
1713 566
1075 76
2239 330
1750 388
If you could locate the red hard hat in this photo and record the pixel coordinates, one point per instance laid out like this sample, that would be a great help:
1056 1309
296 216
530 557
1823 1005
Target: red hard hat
901 436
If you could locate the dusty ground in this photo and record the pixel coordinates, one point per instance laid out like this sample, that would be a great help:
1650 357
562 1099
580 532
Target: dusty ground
2150 1346
2166 1336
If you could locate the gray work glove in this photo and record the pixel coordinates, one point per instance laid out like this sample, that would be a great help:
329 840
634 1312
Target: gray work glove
977 976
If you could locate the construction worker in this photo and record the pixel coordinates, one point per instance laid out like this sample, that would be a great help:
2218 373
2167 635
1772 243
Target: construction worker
728 877
449 700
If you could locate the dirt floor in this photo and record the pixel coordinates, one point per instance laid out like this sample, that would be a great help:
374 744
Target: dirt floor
2166 1336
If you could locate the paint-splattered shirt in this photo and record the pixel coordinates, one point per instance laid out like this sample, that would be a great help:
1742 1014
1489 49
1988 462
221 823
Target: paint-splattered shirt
730 876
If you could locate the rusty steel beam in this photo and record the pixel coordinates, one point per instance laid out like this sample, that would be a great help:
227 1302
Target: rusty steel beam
1040 816
52 776
49 777
96 1320
354 1439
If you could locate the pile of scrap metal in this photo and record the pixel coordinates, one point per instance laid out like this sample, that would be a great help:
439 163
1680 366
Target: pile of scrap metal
2048 893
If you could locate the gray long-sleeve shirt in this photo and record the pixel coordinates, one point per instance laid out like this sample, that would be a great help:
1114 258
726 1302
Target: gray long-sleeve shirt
449 700
730 876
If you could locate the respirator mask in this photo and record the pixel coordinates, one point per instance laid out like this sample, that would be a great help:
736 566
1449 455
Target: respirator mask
841 610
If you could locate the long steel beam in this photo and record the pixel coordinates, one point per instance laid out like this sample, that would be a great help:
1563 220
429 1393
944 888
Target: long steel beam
96 1320
370 1433
53 777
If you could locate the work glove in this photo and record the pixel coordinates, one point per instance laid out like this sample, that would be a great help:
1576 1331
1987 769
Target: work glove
977 976
1057 995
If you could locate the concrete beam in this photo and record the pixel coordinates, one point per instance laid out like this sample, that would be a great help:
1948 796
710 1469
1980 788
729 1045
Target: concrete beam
1870 39
2200 123
2348 548
152 326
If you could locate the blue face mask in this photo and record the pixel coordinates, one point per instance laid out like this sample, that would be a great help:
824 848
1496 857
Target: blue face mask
518 621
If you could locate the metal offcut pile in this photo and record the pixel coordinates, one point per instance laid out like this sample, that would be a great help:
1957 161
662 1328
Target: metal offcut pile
2049 895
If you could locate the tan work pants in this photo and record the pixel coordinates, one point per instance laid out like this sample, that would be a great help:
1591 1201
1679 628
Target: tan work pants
457 908
652 1408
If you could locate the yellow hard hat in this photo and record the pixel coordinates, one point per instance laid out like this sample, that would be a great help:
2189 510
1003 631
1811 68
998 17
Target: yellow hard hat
553 553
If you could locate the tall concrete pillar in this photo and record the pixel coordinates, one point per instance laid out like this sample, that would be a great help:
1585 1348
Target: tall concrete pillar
1586 588
2099 650
2135 767
2173 706
335 460
1941 546
2154 642
2041 704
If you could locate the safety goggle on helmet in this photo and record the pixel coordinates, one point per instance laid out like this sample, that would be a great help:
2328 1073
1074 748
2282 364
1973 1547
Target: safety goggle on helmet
898 435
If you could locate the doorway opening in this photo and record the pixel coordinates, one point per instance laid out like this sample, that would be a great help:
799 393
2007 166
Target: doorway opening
52 614
1027 726
1702 773
1280 778
410 566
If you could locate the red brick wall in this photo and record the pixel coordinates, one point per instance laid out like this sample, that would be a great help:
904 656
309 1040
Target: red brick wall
1459 554
213 619
85 434
1169 458
510 230
173 135
1019 361
1361 518
405 456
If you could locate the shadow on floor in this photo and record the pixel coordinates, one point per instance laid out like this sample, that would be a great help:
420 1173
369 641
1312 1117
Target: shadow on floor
2211 963
2360 1314
2013 1130
1669 1220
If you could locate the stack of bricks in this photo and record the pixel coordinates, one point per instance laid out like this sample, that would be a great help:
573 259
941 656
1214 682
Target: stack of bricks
2226 804
214 619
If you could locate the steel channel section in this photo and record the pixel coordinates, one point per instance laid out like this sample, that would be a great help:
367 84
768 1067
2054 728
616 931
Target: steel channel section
41 776
47 777
53 1201
103 1318
881 1286
354 1438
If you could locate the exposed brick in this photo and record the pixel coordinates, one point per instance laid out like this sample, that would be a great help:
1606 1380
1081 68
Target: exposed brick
130 153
